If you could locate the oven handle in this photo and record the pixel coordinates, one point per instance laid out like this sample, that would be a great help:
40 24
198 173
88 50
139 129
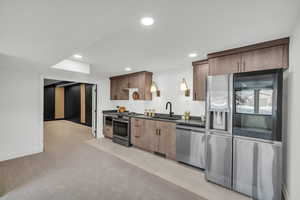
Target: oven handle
122 121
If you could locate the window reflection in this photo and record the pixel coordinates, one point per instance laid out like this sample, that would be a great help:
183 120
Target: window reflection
245 101
265 101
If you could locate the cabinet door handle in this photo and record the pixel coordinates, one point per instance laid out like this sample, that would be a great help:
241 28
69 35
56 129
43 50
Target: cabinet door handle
244 63
195 96
159 132
238 66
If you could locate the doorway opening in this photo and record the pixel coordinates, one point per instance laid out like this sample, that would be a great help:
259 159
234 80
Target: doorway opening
72 102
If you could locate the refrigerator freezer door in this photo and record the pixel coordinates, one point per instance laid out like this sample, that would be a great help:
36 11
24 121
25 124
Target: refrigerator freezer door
257 168
218 92
190 147
219 159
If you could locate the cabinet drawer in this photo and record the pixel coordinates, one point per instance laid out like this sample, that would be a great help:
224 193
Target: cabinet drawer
137 122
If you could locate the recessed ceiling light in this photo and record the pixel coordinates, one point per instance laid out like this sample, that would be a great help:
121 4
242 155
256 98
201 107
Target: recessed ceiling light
147 21
128 69
78 56
192 55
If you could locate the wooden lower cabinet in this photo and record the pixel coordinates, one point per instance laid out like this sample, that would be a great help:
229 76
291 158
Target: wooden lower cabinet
154 136
167 139
141 134
108 131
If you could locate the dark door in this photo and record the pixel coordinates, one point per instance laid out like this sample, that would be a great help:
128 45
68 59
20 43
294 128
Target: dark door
88 104
72 103
49 103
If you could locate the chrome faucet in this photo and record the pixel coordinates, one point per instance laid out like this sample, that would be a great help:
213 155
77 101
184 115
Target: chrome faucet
169 103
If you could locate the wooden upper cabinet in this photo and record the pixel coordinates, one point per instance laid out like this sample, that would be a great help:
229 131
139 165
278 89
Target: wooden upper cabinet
145 90
200 72
134 80
263 56
119 88
224 64
263 59
140 80
114 84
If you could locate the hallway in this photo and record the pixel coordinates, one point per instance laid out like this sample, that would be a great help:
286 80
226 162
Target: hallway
71 169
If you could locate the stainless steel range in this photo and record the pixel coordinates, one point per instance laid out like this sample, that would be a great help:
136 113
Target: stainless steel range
121 128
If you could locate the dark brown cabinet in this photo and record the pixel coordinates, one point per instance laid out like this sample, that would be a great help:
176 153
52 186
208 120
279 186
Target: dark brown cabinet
119 85
263 59
154 136
134 80
263 56
224 64
200 72
118 88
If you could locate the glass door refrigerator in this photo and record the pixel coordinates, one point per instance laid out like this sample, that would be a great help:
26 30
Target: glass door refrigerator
257 134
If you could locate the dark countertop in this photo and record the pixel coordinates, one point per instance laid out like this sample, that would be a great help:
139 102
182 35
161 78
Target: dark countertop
194 121
109 112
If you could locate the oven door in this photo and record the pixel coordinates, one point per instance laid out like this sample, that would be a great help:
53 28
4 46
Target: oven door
108 120
120 129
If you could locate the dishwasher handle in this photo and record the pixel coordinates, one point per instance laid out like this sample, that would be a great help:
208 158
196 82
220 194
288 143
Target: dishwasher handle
193 129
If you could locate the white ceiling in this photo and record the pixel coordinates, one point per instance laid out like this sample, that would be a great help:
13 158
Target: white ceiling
109 35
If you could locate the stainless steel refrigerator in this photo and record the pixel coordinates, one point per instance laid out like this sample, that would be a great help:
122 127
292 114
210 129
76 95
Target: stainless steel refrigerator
219 130
243 141
257 134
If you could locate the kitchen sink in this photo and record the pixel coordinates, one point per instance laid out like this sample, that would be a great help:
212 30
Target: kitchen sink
165 117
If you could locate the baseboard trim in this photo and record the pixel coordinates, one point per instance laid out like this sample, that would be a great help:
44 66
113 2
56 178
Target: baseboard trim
16 156
285 192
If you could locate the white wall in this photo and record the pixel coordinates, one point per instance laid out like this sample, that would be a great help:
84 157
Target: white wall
168 83
291 155
21 104
20 130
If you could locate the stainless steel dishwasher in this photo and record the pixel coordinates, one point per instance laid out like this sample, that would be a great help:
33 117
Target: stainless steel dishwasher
190 145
